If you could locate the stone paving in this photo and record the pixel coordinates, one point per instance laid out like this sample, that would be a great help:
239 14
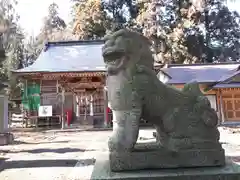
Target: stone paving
70 155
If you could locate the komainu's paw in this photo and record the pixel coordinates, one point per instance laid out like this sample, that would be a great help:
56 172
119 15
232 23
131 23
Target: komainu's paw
113 145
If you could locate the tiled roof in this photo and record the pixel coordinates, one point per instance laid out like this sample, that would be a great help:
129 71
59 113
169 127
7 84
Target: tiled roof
69 56
231 85
72 56
209 73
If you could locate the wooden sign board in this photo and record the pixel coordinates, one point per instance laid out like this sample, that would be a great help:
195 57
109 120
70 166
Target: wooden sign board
45 111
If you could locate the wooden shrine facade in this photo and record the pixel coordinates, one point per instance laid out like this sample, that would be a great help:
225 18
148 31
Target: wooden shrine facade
69 76
80 93
229 99
225 101
219 82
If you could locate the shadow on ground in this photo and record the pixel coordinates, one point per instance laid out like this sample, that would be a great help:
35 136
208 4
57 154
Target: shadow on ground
144 138
233 128
46 150
234 158
23 142
39 129
2 160
45 163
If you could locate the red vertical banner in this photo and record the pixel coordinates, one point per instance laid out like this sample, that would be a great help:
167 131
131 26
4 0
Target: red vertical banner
106 118
108 111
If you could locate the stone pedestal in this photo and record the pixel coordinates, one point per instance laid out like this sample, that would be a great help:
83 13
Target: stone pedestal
231 171
151 155
159 160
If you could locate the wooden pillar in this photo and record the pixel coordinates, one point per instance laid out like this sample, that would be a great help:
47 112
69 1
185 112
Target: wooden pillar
26 86
77 106
26 96
63 101
57 86
105 97
221 107
91 105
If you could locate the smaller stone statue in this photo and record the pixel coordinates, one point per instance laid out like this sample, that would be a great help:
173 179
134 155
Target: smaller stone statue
186 125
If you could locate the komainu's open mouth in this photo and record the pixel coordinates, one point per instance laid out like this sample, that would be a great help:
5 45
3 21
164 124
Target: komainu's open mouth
113 59
109 56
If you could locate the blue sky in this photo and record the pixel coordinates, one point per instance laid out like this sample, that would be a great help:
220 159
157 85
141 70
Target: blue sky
32 12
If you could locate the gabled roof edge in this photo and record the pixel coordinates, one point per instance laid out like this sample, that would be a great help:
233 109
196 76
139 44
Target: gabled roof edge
80 42
223 81
202 64
70 43
161 70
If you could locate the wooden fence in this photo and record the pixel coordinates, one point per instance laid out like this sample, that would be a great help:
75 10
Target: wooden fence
16 120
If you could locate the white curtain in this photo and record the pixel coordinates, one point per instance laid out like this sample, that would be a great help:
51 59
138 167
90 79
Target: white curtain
213 101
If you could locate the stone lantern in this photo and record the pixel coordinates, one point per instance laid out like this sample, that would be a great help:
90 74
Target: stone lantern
5 136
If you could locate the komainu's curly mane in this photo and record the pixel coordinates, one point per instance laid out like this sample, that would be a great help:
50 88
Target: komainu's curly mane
131 44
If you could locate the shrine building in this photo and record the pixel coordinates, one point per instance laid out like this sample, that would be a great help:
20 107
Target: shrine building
68 77
219 82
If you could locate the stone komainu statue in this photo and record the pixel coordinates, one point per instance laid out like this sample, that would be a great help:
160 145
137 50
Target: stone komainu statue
183 119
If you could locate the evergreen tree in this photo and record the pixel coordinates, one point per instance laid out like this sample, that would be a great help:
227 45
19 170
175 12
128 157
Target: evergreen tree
190 31
121 13
223 31
90 19
94 18
53 27
52 23
32 49
12 43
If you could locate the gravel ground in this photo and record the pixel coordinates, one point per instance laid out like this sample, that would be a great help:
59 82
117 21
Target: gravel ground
71 155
